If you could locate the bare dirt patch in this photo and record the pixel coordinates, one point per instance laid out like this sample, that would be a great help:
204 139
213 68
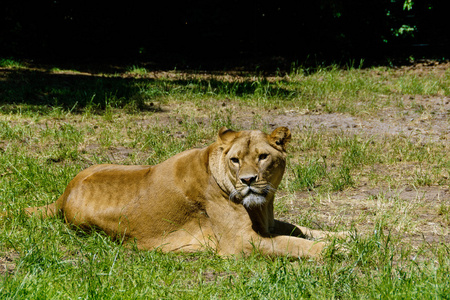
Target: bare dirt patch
7 264
428 120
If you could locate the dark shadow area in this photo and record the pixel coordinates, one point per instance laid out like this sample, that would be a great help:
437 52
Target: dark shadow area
223 34
71 92
43 89
217 37
240 88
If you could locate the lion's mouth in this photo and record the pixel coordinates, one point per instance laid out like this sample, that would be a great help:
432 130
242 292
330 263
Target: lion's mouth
252 200
252 190
251 196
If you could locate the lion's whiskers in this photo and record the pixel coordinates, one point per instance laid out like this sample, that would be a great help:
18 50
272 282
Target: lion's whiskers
269 189
233 195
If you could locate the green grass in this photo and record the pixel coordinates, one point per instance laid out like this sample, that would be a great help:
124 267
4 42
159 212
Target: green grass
10 63
328 90
61 122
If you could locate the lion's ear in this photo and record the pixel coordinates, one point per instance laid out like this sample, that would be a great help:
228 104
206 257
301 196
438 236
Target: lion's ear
226 135
280 137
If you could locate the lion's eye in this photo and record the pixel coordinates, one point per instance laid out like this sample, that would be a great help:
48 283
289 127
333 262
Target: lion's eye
263 156
234 160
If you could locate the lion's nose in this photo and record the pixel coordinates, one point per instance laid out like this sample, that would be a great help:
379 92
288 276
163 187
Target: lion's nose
248 180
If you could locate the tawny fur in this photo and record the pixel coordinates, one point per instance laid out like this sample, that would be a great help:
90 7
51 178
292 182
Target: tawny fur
194 200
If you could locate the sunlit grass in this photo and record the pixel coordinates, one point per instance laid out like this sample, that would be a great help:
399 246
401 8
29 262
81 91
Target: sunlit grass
53 128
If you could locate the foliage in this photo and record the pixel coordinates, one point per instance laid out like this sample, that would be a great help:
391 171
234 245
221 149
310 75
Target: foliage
189 31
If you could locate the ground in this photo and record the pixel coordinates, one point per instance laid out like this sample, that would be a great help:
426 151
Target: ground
400 185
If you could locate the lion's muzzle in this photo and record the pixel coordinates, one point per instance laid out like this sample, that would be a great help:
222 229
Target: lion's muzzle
251 195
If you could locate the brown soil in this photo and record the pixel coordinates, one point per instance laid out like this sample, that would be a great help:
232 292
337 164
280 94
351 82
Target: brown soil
7 265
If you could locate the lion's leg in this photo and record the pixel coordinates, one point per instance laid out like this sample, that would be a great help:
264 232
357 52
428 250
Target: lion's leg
321 234
247 242
192 237
284 228
203 235
291 246
284 246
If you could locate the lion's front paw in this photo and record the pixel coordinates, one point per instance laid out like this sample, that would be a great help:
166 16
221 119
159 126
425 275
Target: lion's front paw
323 235
316 249
340 234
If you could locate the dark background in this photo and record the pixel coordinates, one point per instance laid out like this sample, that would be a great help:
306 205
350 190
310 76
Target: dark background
229 32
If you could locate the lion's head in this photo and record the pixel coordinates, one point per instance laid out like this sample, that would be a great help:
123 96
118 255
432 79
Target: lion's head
249 165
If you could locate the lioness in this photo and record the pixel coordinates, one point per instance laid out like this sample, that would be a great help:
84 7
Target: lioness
219 197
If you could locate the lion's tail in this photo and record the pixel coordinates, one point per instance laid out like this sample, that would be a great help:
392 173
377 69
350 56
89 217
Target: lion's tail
46 211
